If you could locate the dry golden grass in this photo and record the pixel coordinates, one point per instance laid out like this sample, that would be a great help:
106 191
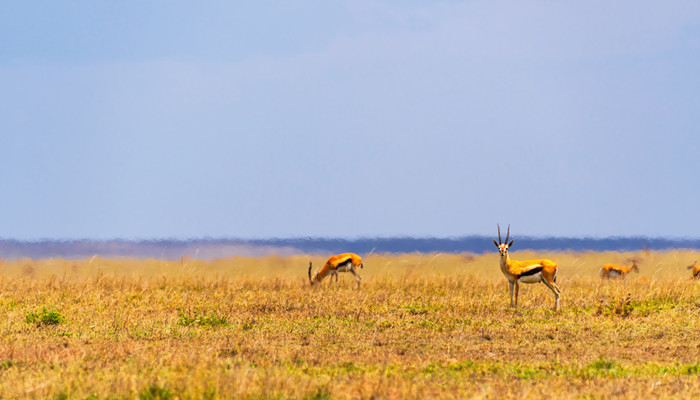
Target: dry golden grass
422 326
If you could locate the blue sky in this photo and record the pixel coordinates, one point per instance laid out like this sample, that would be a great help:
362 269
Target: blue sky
173 119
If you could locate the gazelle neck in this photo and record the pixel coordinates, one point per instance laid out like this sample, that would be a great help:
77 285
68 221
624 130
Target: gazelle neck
504 259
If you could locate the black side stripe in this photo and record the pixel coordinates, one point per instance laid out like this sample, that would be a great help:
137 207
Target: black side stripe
531 272
344 263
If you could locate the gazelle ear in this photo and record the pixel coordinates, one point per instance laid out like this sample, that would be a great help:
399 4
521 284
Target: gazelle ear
510 244
495 242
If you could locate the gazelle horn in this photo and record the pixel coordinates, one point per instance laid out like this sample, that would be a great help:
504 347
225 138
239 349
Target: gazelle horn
508 234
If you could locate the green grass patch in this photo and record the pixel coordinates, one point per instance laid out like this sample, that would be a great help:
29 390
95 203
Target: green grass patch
199 317
602 368
155 392
45 317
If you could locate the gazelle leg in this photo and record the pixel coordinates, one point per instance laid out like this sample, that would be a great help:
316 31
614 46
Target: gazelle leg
557 293
511 293
359 278
517 289
557 288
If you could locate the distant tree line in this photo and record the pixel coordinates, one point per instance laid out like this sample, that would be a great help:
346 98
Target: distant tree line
212 248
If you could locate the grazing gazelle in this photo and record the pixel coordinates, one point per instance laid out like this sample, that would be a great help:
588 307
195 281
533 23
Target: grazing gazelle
531 271
339 263
617 271
696 269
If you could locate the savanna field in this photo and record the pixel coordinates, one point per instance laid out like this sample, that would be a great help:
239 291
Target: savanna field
421 326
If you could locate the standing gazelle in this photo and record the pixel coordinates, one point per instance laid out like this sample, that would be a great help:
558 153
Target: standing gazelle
339 263
696 269
617 271
531 271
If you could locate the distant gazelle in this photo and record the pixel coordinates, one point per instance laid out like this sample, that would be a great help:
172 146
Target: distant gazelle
346 262
531 271
617 271
696 269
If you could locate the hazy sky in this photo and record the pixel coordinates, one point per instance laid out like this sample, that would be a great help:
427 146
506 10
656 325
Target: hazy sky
180 119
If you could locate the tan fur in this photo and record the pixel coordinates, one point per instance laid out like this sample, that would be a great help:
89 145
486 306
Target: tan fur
517 271
607 269
696 270
345 262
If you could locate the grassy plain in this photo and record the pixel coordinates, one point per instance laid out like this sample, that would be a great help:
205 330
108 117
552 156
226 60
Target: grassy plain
422 326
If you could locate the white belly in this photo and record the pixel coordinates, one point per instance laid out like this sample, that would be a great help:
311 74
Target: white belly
614 273
536 278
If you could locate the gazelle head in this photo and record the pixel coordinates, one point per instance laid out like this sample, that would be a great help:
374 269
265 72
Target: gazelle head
503 246
310 280
634 266
695 268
